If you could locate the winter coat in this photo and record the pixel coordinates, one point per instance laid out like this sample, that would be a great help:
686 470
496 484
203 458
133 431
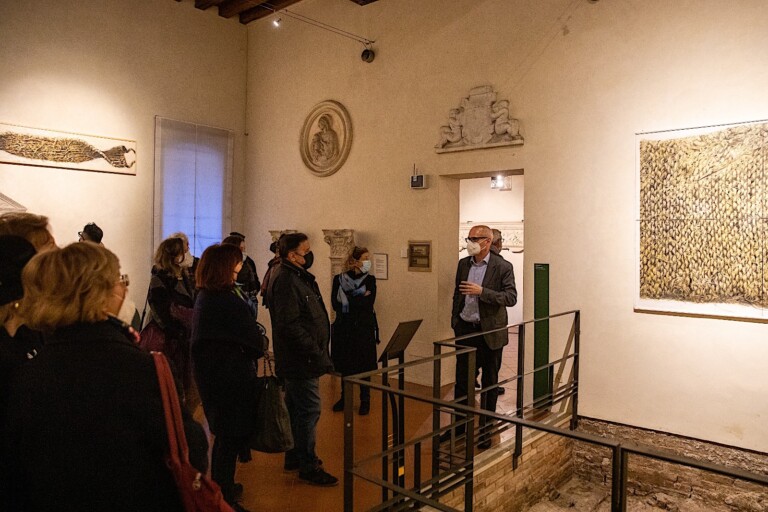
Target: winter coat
86 428
300 325
354 334
226 342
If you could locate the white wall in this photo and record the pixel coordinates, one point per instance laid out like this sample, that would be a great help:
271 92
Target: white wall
107 67
583 78
479 203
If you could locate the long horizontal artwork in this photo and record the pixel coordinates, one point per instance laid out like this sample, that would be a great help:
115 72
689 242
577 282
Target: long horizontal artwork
46 148
702 221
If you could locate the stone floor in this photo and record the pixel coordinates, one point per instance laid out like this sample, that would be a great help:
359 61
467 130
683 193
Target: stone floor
583 496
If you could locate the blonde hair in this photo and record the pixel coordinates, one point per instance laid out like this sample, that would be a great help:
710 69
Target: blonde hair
34 228
165 257
67 286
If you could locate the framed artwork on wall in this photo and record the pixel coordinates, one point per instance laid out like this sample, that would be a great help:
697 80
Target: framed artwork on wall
36 147
420 256
380 266
326 138
702 221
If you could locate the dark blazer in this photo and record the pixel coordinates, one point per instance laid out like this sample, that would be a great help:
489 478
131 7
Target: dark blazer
498 294
226 342
300 325
86 428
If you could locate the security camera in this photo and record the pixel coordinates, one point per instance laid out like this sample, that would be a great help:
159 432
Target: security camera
368 55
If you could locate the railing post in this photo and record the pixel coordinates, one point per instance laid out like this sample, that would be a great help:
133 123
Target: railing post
520 398
349 446
576 338
384 431
469 448
619 480
437 379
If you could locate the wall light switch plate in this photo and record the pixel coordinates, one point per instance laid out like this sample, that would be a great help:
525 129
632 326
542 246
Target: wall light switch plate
404 252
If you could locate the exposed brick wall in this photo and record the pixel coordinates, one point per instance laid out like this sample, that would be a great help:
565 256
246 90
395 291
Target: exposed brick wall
545 464
648 476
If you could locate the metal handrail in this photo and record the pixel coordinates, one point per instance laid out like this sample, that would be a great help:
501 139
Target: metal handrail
462 473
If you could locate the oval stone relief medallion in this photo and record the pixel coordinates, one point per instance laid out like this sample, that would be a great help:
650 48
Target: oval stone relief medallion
326 138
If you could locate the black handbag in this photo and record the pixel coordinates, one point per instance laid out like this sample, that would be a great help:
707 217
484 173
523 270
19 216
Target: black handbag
273 424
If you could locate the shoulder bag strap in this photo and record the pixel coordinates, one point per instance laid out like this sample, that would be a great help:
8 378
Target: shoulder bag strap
177 439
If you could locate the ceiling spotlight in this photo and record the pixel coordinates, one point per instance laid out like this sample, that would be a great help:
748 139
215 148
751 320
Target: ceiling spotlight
368 55
276 21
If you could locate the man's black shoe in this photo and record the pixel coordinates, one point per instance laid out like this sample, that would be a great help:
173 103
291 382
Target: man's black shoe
338 406
500 391
293 466
319 477
365 408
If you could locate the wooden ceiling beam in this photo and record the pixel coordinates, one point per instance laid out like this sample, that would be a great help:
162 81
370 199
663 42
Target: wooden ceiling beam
262 12
229 8
204 4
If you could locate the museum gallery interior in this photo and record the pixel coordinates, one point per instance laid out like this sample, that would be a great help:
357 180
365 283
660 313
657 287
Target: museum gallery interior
635 130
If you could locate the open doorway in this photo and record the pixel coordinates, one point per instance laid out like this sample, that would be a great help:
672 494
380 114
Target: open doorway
500 208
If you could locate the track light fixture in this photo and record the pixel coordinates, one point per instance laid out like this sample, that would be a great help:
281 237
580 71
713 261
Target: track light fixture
368 53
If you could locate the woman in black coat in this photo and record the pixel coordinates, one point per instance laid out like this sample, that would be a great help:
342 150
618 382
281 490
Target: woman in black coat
226 342
85 423
171 297
354 333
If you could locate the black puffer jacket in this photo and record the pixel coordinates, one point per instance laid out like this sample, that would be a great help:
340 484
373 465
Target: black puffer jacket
300 324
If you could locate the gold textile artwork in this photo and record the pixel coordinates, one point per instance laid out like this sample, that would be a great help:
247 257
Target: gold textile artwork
703 217
47 148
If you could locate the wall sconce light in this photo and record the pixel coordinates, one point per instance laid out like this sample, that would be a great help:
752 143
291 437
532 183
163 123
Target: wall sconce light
276 22
501 183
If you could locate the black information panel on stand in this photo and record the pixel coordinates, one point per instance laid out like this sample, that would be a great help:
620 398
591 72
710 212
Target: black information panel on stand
395 349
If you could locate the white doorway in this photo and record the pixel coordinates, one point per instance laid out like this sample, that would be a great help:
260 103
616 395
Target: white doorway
480 204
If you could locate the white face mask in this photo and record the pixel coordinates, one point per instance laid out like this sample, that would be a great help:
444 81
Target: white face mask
127 310
365 266
188 260
473 248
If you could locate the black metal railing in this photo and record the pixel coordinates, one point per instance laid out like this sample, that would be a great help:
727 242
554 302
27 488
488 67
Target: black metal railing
450 469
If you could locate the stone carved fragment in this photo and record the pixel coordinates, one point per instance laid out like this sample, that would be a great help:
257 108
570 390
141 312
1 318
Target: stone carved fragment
479 122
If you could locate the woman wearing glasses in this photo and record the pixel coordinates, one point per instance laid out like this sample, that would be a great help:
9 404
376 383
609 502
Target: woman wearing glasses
85 428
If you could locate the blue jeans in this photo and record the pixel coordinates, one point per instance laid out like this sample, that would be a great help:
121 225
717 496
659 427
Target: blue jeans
302 397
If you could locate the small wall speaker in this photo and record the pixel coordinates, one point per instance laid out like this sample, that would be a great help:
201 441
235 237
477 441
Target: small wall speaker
418 181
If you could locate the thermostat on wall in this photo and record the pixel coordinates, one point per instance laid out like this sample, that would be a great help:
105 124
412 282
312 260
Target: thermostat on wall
418 181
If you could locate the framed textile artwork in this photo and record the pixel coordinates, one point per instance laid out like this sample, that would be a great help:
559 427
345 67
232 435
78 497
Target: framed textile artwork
326 138
22 145
702 221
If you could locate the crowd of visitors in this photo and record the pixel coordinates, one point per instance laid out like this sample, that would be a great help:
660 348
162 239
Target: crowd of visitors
82 425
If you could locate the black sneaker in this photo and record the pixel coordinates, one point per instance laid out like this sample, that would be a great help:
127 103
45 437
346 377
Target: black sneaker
338 406
319 477
365 408
293 466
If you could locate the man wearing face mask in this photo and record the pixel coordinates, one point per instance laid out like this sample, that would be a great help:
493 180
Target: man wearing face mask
300 335
190 261
485 288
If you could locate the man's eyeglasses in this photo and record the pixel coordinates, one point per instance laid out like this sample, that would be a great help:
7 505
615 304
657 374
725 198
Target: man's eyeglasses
475 238
124 280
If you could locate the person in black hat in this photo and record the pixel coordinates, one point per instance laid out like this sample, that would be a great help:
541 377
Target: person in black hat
91 233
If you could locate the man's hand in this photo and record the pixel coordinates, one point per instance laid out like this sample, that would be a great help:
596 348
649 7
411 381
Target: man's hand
467 288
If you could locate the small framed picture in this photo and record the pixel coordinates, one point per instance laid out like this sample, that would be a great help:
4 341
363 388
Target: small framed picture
380 266
419 255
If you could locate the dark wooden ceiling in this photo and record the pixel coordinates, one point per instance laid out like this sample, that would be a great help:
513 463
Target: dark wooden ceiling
252 10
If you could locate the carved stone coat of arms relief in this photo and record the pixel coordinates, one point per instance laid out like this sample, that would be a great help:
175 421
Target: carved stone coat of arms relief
479 122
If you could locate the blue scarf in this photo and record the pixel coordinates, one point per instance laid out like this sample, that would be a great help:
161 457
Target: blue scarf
349 285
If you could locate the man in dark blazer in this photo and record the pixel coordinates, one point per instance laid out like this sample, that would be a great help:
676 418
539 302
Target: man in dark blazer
485 287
